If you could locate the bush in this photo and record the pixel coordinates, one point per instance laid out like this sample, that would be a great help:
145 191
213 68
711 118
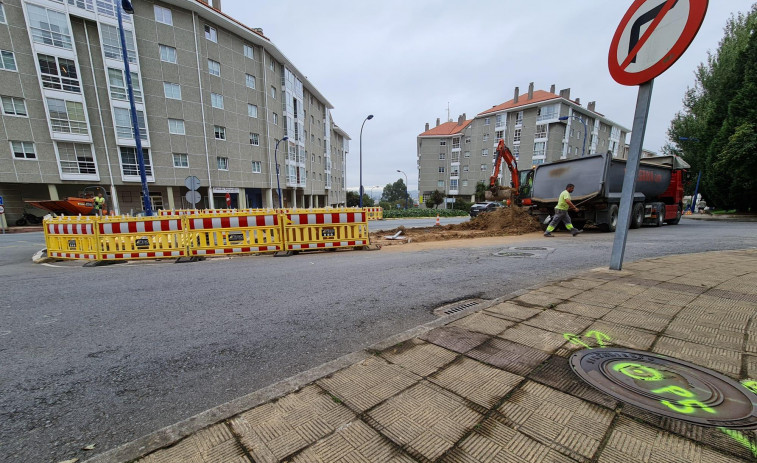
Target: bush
462 205
418 212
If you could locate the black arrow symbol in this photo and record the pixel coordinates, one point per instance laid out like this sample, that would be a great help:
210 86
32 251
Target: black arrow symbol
643 19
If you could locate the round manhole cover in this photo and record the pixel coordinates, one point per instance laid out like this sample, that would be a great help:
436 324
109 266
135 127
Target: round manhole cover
527 248
668 387
514 254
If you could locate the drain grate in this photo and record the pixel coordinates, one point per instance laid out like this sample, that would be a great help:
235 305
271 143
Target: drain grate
667 386
455 307
513 254
530 248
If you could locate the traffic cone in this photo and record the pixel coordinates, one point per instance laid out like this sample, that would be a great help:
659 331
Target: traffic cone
437 224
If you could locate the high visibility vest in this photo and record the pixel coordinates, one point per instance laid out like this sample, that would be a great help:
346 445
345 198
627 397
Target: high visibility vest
99 202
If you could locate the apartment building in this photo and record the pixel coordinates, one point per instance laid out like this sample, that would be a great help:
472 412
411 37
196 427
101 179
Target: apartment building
213 98
538 127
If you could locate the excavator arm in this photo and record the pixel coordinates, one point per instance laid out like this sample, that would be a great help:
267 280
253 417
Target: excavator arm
497 192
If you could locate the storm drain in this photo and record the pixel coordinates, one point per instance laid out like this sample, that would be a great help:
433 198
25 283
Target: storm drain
456 307
667 386
514 254
527 248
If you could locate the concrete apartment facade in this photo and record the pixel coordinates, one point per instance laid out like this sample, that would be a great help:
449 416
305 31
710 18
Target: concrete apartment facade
454 156
213 98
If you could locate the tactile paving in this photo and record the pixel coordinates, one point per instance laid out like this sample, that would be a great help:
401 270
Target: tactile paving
422 358
480 322
512 311
507 355
455 338
534 337
479 383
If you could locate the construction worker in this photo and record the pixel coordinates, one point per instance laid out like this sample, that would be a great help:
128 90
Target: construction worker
99 204
564 204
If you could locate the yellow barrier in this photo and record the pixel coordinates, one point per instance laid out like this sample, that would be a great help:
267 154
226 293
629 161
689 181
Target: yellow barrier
323 228
142 237
374 213
164 212
72 237
234 233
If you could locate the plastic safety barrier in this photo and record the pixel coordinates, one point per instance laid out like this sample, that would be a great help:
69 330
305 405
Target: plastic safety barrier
72 237
319 229
141 237
163 212
374 213
234 233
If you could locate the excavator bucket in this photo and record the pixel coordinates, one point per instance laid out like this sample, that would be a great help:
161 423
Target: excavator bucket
502 194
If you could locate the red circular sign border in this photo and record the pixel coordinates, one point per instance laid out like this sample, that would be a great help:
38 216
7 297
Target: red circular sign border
698 9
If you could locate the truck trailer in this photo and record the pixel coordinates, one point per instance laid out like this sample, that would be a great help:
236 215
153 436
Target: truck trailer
598 181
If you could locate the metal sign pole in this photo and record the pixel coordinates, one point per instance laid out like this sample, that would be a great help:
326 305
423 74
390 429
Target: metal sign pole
632 171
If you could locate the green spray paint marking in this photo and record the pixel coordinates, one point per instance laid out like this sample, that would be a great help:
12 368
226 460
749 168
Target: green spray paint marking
741 439
573 339
750 384
689 405
598 335
640 372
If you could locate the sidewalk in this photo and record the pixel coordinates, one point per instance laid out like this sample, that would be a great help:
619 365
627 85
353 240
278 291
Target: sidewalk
492 383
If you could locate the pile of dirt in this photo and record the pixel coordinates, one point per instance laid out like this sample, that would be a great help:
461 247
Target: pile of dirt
500 222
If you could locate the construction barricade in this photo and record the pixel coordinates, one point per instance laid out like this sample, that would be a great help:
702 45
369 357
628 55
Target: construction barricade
126 238
72 237
324 229
374 213
234 233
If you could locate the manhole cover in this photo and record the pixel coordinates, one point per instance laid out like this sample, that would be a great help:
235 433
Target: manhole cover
514 254
667 386
527 248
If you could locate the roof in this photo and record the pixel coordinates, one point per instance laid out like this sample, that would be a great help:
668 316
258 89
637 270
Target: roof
539 96
448 128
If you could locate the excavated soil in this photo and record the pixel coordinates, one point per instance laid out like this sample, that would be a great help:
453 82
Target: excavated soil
501 222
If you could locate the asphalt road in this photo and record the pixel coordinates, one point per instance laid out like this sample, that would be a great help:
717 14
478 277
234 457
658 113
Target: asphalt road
105 355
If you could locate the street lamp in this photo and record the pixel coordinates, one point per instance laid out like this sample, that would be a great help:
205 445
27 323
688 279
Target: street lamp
276 160
407 193
370 116
565 118
128 8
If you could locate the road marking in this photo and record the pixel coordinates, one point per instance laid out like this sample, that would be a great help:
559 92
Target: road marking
55 266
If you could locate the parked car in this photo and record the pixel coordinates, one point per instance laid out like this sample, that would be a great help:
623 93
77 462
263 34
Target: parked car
486 206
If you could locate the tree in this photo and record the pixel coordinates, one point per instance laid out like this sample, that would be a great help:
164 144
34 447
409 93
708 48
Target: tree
481 191
353 200
395 193
437 197
716 131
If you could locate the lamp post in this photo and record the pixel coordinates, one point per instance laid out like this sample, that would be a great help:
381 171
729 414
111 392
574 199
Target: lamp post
580 119
128 8
699 177
370 116
276 160
407 193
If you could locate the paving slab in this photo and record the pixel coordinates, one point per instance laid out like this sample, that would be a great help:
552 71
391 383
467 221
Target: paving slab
481 322
455 338
511 311
511 356
481 384
420 357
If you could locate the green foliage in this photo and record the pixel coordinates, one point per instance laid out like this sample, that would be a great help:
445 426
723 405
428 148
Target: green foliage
481 191
394 192
461 205
353 200
420 212
719 119
436 198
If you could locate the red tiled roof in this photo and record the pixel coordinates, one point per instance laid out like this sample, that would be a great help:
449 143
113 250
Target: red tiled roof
448 128
539 96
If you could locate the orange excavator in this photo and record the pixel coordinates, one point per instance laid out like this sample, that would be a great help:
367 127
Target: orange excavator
500 193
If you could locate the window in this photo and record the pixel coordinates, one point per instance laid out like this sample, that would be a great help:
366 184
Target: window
540 149
216 100
483 166
271 64
453 184
49 27
219 132
76 158
275 119
516 151
442 156
485 152
167 54
223 163
118 85
486 137
23 150
440 183
7 60
180 160
67 116
465 183
441 169
124 129
499 135
163 15
14 106
465 168
456 143
2 14
172 91
111 43
541 131
256 167
129 165
454 171
252 110
519 118
210 33
255 139
273 92
467 154
214 67
58 73
248 51
578 134
500 120
249 81
546 113
487 121
467 139
442 142
516 135
176 126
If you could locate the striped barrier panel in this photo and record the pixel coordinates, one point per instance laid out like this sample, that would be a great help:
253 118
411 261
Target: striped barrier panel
325 230
142 237
72 237
374 213
164 212
234 233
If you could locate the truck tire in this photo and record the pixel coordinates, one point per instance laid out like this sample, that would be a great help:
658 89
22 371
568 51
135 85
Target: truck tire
637 215
660 215
677 219
613 224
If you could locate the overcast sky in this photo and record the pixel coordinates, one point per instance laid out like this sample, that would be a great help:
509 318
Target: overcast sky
404 61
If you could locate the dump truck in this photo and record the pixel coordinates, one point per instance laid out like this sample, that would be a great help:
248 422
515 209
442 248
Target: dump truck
598 181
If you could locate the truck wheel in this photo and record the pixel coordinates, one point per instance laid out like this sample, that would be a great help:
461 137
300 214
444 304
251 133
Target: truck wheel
677 219
613 224
637 215
660 219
